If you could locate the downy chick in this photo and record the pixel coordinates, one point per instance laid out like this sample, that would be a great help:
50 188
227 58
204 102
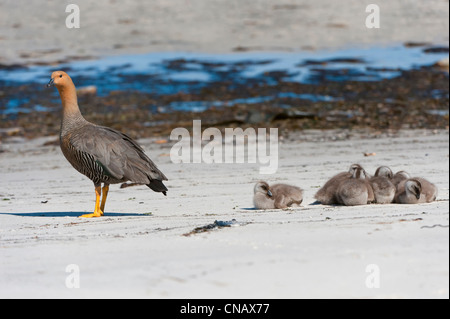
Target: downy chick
383 188
400 176
276 196
355 190
327 193
415 190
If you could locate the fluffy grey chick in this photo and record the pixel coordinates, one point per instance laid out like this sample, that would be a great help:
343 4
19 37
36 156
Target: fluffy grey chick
383 188
355 190
400 176
327 193
276 196
415 190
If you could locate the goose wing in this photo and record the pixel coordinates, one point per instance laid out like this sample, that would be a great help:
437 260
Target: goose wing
118 154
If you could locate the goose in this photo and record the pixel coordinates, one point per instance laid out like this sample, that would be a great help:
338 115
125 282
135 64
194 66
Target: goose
276 196
383 188
355 190
105 155
416 190
327 193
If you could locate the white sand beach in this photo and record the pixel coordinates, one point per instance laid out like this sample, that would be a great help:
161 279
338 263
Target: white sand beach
139 248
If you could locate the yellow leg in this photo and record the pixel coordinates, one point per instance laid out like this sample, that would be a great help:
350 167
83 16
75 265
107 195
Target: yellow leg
97 212
105 190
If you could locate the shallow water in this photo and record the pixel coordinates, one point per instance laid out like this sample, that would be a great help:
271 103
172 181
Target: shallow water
168 73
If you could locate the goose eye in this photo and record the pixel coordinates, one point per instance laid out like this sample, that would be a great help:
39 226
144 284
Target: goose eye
60 75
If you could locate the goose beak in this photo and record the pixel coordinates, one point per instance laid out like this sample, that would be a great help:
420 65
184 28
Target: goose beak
417 192
269 193
50 83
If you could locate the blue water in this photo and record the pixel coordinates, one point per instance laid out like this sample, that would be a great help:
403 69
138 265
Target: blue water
200 106
167 73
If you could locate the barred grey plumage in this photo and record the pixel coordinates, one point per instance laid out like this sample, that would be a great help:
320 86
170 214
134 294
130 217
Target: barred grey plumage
87 165
101 153
105 155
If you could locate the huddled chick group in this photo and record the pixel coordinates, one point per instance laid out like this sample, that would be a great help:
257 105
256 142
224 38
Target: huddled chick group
356 187
350 188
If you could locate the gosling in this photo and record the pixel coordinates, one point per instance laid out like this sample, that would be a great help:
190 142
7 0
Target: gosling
416 190
399 177
383 188
327 194
355 190
276 196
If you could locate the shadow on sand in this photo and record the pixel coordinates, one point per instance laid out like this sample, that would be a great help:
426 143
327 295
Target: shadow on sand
70 214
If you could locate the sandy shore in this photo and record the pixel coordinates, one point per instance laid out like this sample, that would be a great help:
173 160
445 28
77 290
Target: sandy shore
139 249
36 32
